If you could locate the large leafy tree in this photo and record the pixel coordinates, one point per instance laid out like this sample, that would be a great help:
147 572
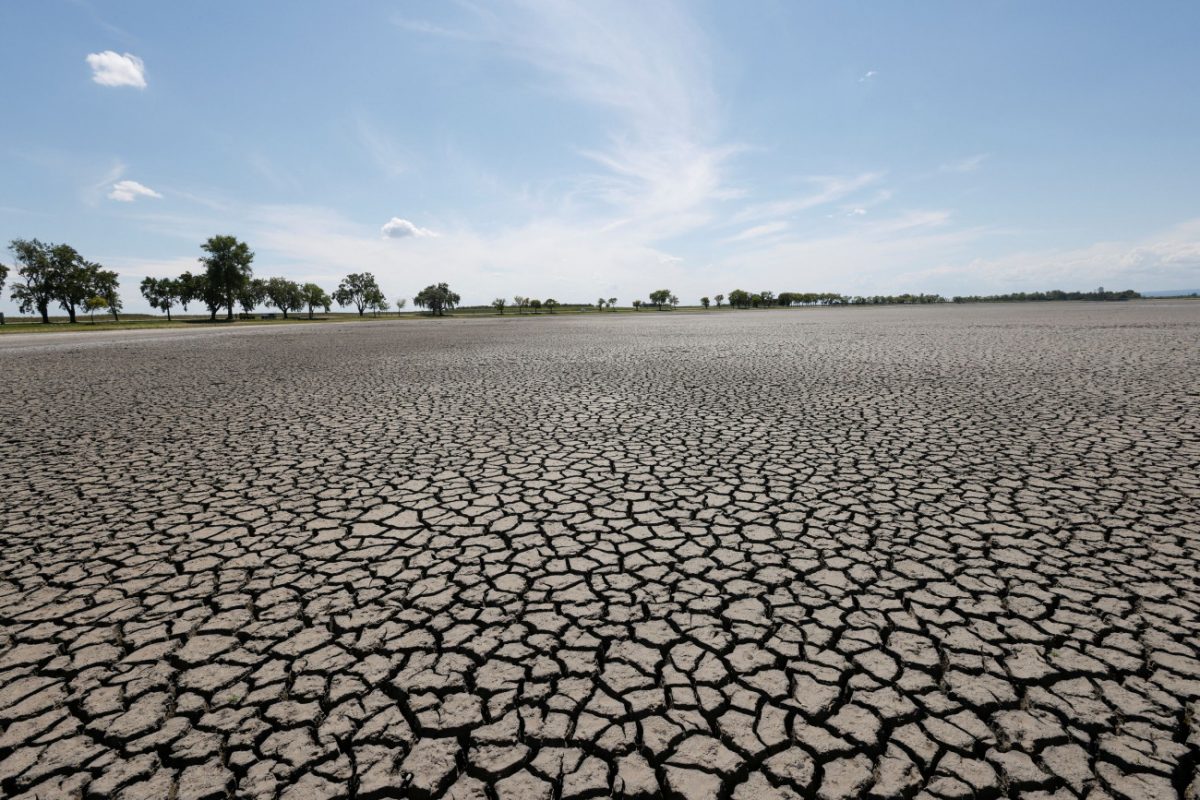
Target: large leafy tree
358 289
227 270
252 295
35 289
285 295
499 303
660 297
106 284
739 298
73 278
376 301
315 297
161 293
437 298
191 289
58 273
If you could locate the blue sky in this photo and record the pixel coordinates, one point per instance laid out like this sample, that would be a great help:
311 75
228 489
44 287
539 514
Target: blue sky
578 150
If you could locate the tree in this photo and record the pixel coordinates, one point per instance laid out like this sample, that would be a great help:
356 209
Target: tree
358 289
314 297
637 305
719 298
704 301
226 271
400 304
92 303
612 303
285 295
36 287
437 298
161 293
73 278
379 304
191 288
600 304
674 301
768 298
252 295
499 303
550 304
535 304
739 298
660 297
108 285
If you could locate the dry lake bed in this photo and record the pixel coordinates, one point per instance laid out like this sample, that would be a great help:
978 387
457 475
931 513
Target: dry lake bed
867 552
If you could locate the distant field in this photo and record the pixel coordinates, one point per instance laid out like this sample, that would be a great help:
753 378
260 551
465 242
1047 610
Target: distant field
197 321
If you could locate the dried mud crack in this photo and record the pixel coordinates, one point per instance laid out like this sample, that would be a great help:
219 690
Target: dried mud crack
928 552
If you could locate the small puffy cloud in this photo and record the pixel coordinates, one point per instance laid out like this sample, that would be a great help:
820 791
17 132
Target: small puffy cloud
128 191
868 76
114 69
396 228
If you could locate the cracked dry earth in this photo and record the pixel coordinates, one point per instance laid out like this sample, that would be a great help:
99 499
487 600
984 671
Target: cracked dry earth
925 552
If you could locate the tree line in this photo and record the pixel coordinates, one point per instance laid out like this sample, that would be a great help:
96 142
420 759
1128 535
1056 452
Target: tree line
57 273
1054 294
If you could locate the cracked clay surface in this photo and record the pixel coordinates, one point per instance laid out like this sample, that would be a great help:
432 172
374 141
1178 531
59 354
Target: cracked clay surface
901 552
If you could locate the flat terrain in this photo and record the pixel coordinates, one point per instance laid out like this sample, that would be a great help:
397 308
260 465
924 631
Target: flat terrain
932 551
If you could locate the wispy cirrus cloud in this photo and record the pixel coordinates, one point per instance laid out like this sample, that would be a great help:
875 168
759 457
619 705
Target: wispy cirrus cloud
110 68
758 231
382 149
825 189
645 67
968 164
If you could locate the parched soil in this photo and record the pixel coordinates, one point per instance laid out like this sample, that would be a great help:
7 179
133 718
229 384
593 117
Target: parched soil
938 552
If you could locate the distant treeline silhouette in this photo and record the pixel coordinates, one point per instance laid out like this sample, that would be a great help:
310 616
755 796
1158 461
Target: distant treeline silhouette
1054 294
50 273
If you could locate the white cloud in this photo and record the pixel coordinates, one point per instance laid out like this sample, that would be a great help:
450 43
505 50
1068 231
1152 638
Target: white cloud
1163 260
828 189
396 228
382 149
128 191
868 76
114 69
969 164
645 68
758 231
